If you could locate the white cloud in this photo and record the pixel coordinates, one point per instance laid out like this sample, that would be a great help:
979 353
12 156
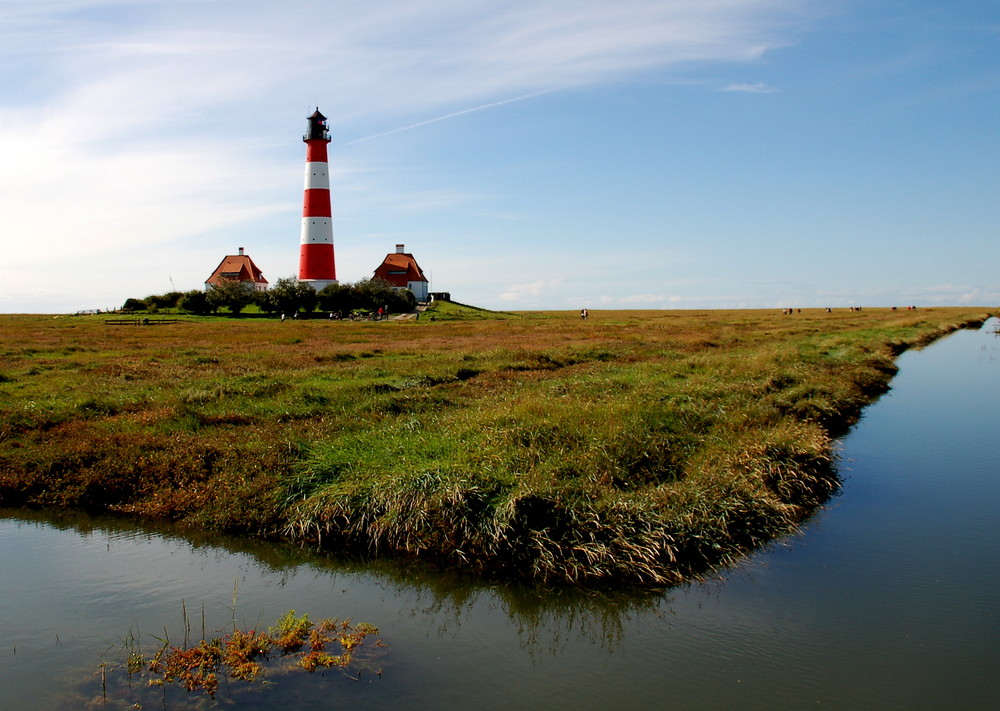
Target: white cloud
758 88
528 293
965 294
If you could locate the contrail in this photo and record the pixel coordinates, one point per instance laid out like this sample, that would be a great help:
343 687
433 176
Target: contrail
451 115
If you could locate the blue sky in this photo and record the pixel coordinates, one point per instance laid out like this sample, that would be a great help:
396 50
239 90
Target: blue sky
530 154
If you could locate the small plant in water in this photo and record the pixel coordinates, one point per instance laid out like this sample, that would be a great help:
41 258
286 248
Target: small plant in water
329 631
242 654
289 632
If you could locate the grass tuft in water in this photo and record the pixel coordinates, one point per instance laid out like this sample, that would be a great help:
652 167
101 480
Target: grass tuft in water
246 655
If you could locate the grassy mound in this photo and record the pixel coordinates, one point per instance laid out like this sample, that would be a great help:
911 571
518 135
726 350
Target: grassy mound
442 310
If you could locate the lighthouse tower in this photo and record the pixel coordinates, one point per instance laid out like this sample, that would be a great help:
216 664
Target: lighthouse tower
316 264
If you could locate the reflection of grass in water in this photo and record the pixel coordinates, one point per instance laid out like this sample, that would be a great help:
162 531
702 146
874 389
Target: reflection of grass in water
247 655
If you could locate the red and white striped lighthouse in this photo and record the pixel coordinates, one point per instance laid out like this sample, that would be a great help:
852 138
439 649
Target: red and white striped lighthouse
316 263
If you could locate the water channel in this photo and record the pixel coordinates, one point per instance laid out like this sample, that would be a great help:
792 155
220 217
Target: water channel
887 597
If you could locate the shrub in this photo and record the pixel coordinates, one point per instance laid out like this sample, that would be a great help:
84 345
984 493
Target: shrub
196 302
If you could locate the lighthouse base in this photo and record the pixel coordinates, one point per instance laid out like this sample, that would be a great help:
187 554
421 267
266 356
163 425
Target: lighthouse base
319 284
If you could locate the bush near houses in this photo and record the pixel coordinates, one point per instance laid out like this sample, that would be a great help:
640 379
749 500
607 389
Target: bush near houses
366 295
286 296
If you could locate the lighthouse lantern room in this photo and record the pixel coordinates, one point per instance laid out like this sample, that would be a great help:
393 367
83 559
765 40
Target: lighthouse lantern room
316 260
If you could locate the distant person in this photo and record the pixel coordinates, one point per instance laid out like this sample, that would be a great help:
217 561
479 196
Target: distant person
584 314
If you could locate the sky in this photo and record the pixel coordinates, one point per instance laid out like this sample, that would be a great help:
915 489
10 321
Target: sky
530 154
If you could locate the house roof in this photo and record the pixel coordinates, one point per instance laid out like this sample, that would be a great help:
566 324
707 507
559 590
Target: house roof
237 267
399 269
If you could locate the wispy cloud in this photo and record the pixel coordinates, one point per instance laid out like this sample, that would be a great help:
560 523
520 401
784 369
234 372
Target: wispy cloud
447 116
396 57
530 291
758 88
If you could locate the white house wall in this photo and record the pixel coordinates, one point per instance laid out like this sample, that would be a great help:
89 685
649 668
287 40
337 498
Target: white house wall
420 289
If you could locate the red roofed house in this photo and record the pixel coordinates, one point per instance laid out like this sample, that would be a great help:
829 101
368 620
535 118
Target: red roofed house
238 267
401 271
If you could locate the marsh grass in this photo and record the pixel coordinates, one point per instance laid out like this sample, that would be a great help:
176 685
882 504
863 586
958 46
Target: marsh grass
630 447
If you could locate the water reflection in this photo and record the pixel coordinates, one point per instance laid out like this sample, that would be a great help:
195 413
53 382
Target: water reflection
435 594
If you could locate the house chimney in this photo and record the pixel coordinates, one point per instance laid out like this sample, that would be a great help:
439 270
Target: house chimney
241 251
399 249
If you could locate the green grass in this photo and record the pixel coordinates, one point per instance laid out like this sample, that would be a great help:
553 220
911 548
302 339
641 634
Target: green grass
453 311
631 447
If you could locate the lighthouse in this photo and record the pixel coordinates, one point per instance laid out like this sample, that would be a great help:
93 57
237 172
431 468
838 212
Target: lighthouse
316 263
